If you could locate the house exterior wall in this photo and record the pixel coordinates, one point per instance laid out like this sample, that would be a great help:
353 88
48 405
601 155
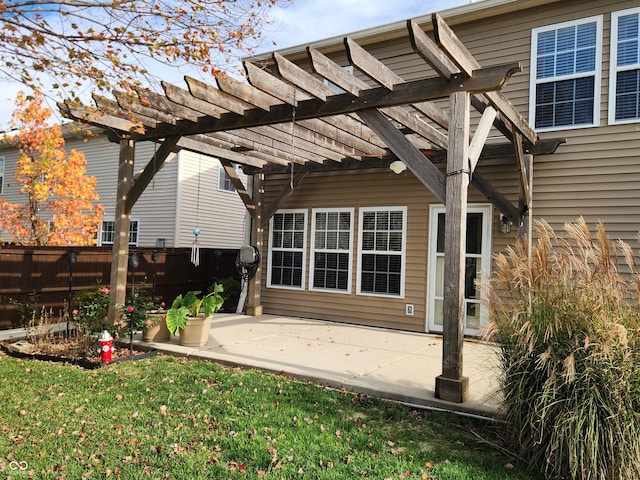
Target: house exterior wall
220 215
166 209
595 174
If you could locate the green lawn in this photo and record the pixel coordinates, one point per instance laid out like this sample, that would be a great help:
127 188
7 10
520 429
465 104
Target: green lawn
164 417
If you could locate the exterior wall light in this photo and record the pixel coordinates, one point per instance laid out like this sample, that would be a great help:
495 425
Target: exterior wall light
398 167
504 224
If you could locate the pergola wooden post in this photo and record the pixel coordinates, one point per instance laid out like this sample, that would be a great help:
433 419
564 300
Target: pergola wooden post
451 385
120 258
254 307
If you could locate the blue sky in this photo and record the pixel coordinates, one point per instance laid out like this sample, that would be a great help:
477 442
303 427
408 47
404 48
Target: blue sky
303 21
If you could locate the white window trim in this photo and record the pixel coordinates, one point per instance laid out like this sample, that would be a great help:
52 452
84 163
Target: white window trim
304 251
313 250
434 210
100 243
3 166
533 82
613 66
403 252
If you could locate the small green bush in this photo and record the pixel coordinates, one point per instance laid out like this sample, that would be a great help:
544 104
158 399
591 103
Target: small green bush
89 309
230 294
566 320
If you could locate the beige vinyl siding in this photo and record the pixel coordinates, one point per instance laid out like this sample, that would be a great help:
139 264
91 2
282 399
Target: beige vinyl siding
155 209
220 215
363 189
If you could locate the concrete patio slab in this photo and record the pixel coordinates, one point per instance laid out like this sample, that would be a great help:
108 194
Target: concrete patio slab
386 363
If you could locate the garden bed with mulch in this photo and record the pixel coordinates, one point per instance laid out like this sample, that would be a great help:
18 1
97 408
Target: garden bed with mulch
82 352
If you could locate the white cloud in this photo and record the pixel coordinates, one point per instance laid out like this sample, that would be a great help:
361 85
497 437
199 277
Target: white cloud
304 21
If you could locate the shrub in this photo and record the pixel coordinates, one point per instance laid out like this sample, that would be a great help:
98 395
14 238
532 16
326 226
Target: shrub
230 294
89 309
566 321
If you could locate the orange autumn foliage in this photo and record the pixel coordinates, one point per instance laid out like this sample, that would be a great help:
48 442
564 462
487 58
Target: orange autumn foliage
60 200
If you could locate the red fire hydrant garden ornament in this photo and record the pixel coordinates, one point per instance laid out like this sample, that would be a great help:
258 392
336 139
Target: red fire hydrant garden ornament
106 347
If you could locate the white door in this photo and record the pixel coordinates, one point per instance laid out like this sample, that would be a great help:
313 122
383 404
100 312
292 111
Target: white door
478 262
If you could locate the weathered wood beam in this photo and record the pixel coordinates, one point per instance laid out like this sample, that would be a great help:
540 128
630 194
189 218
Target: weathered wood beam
279 199
333 128
167 147
237 183
409 92
208 145
464 60
379 72
303 79
371 66
525 223
522 169
451 385
183 97
480 136
93 117
420 165
246 92
332 72
497 199
430 52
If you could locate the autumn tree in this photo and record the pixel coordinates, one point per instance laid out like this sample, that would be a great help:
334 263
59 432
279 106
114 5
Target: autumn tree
109 44
59 207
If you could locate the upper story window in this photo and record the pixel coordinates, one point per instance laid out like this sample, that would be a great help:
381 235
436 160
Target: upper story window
565 74
108 232
1 175
287 249
382 240
624 81
224 182
331 233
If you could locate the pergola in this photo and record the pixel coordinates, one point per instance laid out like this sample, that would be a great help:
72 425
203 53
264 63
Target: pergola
368 124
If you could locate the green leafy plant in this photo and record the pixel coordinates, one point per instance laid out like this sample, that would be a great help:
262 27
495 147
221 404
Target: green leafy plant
28 309
190 305
89 309
231 293
567 320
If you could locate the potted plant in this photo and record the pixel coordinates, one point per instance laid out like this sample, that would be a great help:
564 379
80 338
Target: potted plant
155 324
185 315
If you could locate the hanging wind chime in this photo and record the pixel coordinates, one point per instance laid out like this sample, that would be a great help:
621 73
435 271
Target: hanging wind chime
195 246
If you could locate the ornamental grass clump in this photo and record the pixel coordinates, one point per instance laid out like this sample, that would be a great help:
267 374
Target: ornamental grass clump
566 320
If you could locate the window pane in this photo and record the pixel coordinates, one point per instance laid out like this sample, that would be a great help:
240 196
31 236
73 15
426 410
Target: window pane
287 249
474 233
381 271
561 53
331 268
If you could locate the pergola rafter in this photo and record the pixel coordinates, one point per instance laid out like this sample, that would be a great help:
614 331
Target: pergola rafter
286 119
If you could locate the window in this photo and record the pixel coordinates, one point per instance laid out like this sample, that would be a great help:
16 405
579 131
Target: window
288 234
1 175
382 250
224 182
565 74
331 232
624 82
108 231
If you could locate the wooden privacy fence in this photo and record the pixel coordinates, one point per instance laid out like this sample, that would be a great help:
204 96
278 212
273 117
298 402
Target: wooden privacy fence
45 273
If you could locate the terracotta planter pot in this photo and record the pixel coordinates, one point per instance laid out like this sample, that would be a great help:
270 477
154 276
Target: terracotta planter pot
196 333
159 331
